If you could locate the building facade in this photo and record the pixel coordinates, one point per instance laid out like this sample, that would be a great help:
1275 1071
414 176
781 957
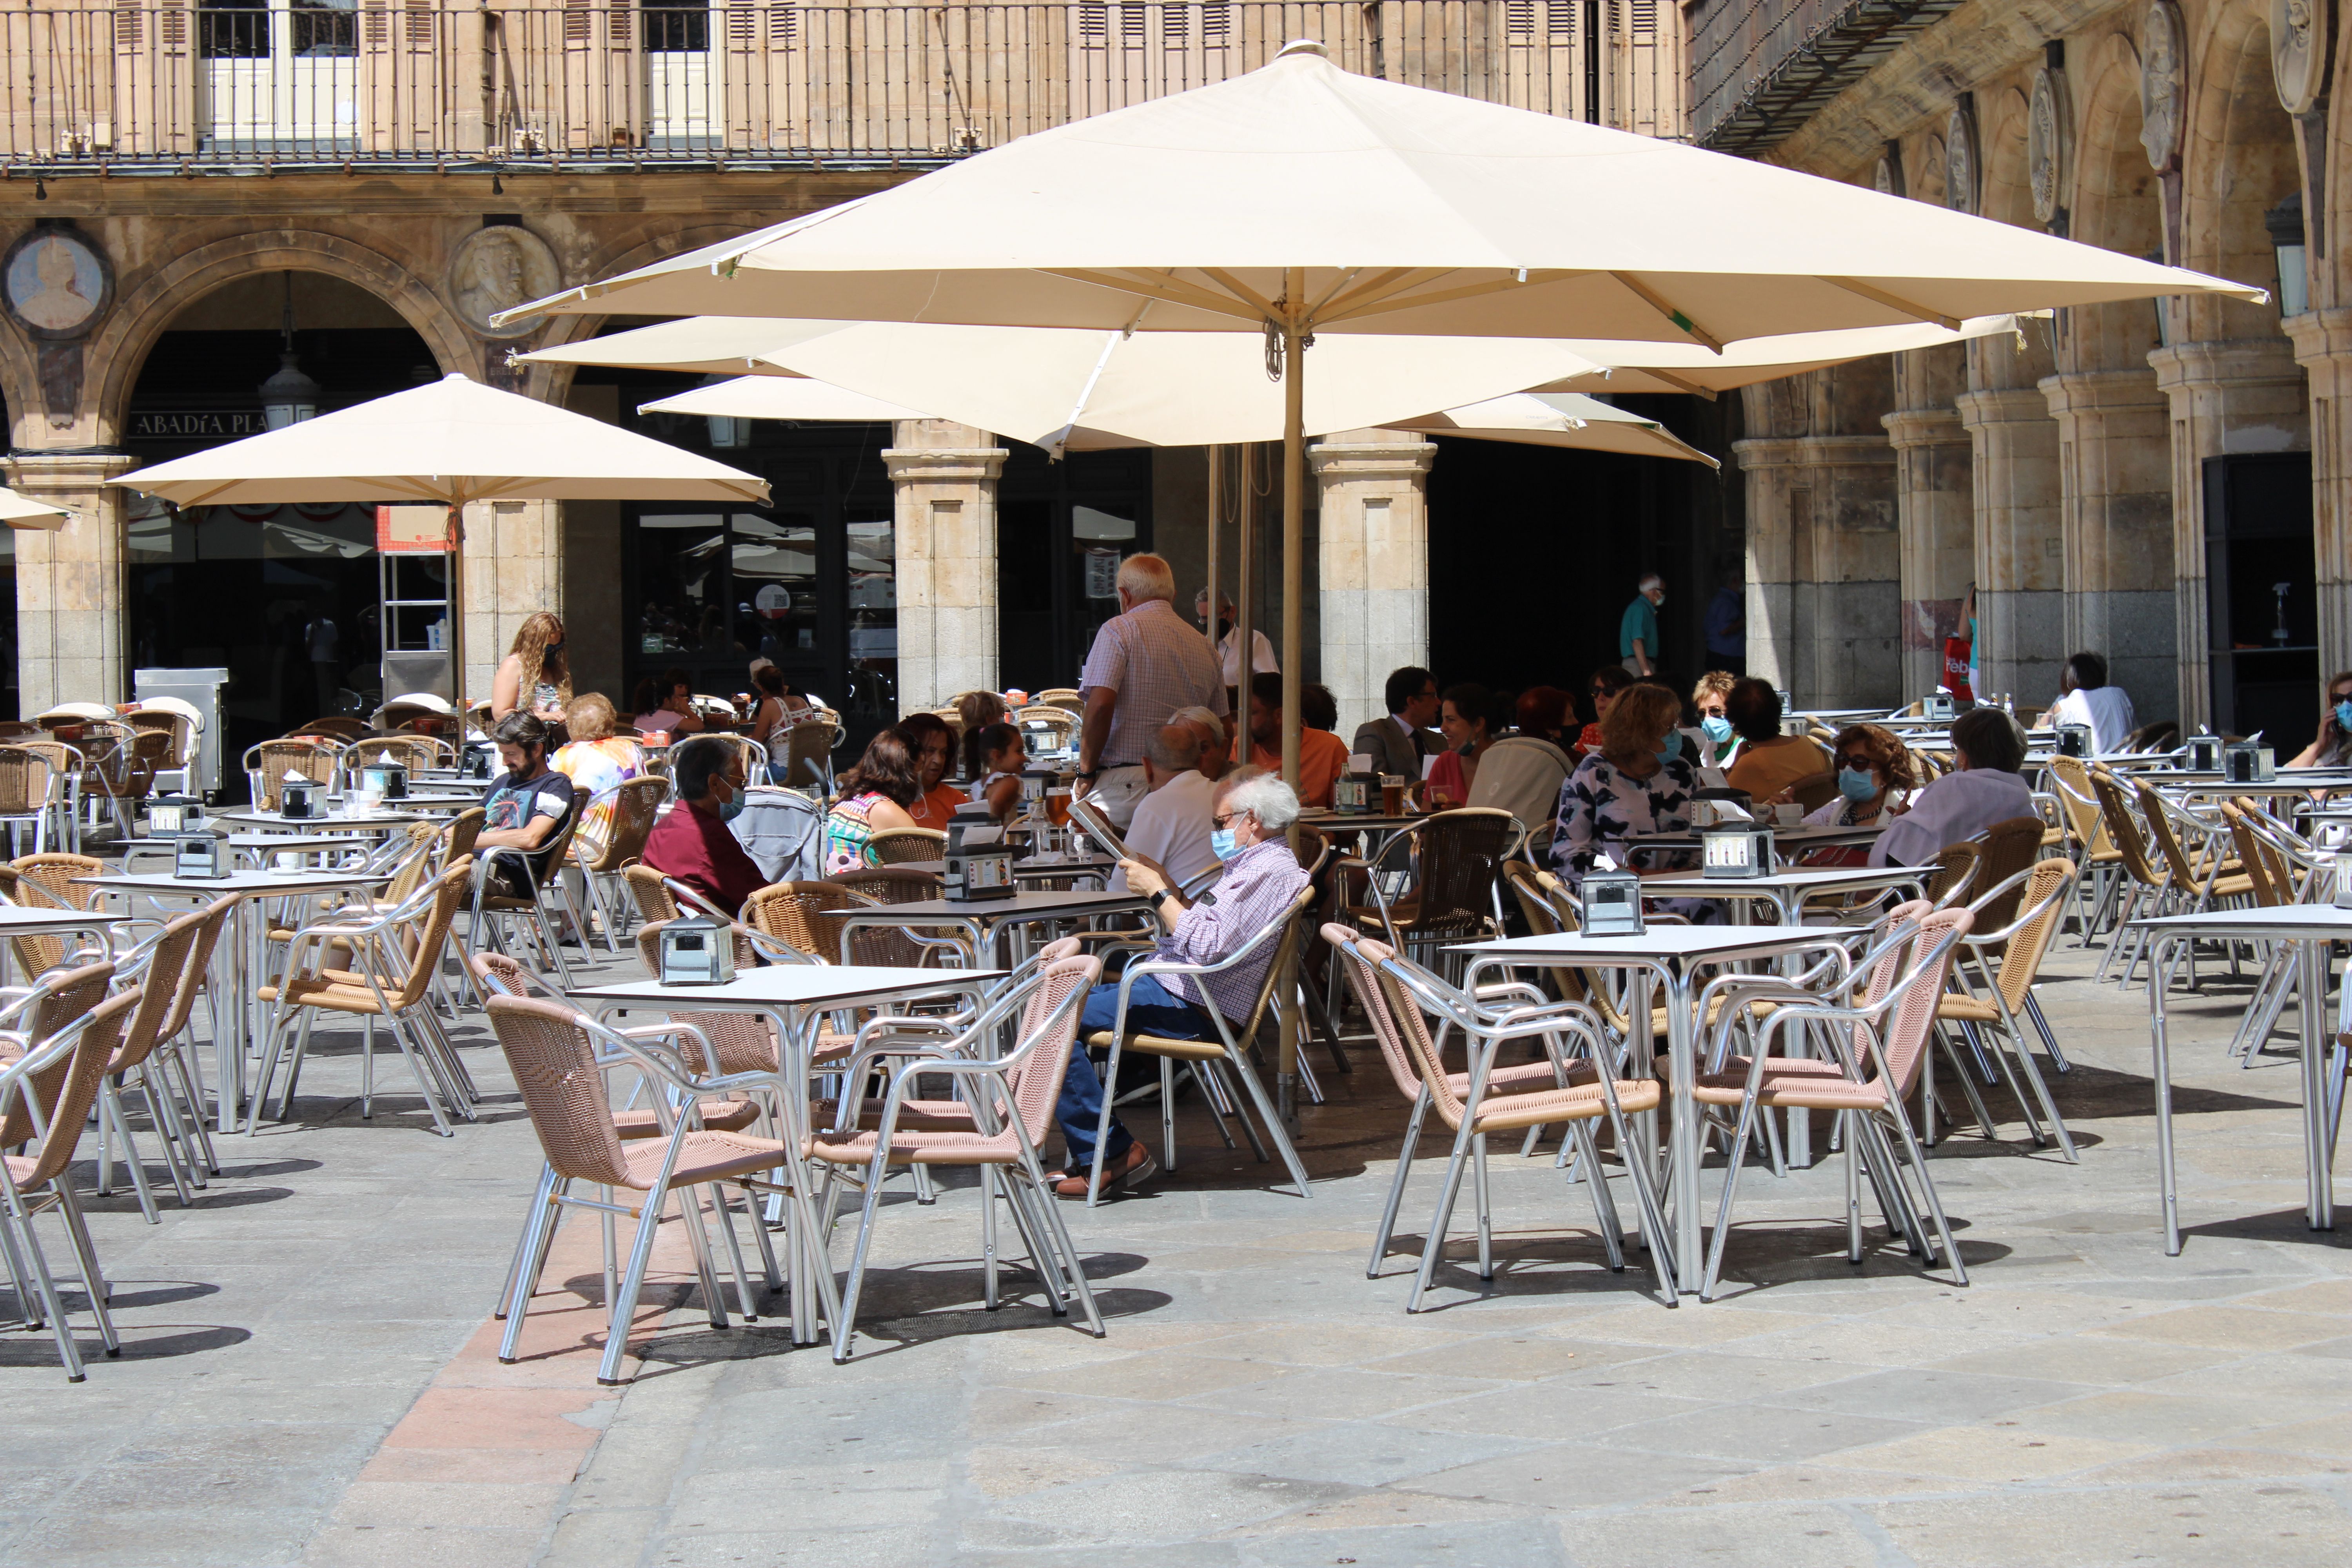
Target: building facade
2167 484
198 197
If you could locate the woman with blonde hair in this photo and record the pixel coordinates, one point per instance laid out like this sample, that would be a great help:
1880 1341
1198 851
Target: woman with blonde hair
534 675
596 760
1638 782
1712 698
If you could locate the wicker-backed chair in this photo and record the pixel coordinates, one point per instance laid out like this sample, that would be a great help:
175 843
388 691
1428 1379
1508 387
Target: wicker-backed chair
28 785
182 753
893 946
1435 883
1047 728
896 845
808 756
65 762
1815 790
795 914
1955 873
49 880
651 893
342 727
114 771
492 905
266 766
636 802
2005 849
414 752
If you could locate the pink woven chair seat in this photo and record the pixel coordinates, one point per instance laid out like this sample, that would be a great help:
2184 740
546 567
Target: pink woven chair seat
1798 1092
717 1115
915 1145
702 1157
1499 1112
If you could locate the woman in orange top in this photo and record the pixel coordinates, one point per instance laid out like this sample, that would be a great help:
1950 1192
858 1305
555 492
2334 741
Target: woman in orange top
938 799
1769 761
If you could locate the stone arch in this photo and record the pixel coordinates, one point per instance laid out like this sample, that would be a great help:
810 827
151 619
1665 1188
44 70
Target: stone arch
552 383
146 310
20 379
2238 160
2117 204
1996 362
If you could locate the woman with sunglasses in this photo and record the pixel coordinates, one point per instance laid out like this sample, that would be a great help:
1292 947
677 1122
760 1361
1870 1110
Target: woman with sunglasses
2333 747
1875 780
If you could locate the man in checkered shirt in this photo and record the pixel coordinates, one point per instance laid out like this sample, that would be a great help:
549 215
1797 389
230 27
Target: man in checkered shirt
1263 880
1146 662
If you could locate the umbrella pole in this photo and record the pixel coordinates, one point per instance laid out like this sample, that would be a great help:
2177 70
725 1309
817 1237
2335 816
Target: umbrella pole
457 575
1245 600
1216 530
1294 537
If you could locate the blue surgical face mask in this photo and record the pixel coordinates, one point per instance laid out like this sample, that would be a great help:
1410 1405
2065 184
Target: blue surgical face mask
1717 728
2343 715
1222 842
1672 748
730 811
1857 784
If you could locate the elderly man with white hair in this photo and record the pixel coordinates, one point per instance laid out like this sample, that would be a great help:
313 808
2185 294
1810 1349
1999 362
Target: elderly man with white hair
1171 831
1216 740
1263 878
1146 664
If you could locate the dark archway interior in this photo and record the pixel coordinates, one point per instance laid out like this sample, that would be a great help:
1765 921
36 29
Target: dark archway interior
284 598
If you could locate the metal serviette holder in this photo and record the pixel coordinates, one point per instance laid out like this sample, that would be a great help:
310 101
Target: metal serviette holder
1611 904
976 871
696 951
1743 850
2203 755
1938 705
197 858
169 816
385 781
298 800
2248 761
2074 739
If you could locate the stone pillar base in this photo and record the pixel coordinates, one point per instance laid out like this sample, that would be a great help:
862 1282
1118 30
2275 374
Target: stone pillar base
70 638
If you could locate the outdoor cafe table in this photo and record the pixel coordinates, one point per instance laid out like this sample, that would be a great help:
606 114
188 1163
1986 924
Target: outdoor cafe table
246 958
795 998
1674 955
2315 927
331 822
986 921
1787 889
258 848
1786 841
1035 869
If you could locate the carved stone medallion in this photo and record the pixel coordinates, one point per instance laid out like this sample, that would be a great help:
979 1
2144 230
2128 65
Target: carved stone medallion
2163 83
2049 144
496 269
1960 165
56 283
2299 52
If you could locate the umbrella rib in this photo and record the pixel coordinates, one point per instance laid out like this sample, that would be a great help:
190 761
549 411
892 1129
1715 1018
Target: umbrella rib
1669 309
1895 302
1390 283
1240 291
1443 296
1167 289
1678 383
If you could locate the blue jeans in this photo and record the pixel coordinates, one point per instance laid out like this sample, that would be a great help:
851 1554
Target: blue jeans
1151 1009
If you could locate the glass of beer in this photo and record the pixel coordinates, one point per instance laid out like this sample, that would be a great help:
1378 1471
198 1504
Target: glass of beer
1057 805
1392 795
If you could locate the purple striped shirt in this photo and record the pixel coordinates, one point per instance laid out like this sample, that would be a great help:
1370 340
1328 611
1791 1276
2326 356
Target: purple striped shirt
1259 885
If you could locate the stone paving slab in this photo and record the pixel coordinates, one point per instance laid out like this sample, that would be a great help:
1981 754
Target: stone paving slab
310 1376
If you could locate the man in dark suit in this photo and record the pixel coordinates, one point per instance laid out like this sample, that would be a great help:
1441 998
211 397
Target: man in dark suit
1397 743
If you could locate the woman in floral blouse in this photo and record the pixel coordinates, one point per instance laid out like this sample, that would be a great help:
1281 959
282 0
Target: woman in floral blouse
1637 782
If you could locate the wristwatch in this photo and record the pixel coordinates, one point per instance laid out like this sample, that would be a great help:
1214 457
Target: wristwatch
1159 899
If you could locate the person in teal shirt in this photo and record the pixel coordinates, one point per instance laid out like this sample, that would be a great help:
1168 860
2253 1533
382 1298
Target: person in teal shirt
1637 632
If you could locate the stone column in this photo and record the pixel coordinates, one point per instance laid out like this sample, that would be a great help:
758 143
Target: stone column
2021 551
1824 567
1935 501
1374 564
2322 346
944 477
2115 522
70 638
513 569
2243 394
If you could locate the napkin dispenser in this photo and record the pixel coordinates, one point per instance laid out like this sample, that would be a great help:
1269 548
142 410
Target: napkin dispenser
385 781
197 858
1613 904
2074 739
478 763
1939 705
1740 849
2248 761
2202 755
1035 783
301 799
980 863
696 951
169 816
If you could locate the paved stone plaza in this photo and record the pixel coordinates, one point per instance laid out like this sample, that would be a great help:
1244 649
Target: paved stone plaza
308 1379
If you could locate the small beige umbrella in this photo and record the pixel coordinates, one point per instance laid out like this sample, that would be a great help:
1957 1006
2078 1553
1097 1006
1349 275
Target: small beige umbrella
451 442
779 397
22 512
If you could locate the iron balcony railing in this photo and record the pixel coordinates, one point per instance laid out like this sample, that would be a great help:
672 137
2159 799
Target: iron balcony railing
605 83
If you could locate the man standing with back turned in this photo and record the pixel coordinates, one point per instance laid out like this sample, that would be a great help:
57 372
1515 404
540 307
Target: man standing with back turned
1145 665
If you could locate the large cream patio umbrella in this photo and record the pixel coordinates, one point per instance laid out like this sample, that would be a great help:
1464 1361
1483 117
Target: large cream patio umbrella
448 442
1301 202
22 511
